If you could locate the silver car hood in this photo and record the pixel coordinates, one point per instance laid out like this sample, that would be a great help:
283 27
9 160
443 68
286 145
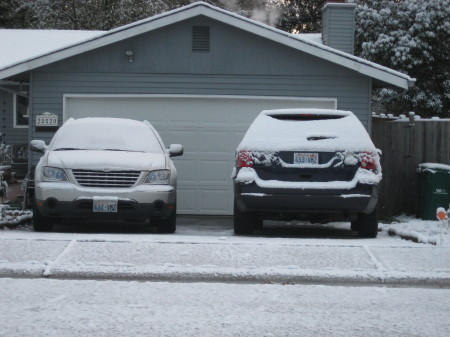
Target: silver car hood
114 160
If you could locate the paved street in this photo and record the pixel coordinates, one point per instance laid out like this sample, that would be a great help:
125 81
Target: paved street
45 307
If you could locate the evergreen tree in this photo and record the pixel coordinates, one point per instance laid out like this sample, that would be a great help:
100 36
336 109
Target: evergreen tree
13 16
89 14
413 37
301 16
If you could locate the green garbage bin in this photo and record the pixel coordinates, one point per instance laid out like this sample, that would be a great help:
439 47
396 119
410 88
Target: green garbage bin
434 189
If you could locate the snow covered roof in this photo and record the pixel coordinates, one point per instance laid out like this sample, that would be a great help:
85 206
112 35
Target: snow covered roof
314 37
308 45
19 45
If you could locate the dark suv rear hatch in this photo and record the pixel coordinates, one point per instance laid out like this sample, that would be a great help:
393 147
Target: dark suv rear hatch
280 166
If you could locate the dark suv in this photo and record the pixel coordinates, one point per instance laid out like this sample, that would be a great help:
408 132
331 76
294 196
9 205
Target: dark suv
306 164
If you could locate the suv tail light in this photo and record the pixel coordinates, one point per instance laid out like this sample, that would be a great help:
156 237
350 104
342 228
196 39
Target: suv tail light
368 161
244 159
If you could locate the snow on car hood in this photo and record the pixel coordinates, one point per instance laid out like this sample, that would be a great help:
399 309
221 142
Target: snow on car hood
92 159
269 133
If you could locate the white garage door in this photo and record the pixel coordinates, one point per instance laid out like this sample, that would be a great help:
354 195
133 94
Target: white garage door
209 128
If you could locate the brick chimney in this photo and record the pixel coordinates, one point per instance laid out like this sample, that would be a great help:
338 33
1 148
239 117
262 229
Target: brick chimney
338 25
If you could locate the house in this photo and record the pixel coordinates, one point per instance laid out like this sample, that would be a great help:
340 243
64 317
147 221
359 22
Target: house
200 75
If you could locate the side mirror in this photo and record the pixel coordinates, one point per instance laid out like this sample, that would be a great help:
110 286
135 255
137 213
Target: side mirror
38 146
175 150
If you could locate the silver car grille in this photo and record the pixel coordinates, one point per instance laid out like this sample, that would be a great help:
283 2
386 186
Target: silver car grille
113 179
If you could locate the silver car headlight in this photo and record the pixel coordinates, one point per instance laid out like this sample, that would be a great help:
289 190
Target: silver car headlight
53 174
158 177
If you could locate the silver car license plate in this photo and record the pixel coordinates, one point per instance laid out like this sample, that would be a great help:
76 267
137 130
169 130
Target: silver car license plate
306 158
105 205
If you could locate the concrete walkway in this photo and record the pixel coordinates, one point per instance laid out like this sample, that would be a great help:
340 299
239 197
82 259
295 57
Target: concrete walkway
223 259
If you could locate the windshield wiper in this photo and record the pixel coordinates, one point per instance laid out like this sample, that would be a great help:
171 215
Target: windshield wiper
67 149
77 149
121 150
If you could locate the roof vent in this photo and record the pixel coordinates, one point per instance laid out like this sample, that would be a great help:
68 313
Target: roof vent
200 38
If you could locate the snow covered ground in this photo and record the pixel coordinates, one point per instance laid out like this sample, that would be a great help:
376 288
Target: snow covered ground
110 308
108 279
421 231
205 249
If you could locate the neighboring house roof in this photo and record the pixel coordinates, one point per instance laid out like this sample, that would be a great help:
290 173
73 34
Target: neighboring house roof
19 45
46 56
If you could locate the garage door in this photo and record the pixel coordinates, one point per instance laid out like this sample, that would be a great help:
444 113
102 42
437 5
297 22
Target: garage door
209 128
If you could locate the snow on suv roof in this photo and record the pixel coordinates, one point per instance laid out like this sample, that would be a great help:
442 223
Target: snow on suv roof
306 130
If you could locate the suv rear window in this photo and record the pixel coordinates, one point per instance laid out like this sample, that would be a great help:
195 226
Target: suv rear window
305 117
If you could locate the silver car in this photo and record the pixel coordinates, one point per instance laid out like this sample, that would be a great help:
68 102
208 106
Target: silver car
105 168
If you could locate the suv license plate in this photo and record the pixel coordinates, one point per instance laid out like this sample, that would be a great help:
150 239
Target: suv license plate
306 158
105 205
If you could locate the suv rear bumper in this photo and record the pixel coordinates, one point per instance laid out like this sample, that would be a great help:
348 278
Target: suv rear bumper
252 198
65 200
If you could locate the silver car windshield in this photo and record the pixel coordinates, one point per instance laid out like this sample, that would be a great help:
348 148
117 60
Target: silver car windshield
107 137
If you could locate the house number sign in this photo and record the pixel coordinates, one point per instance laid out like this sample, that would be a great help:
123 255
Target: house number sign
46 119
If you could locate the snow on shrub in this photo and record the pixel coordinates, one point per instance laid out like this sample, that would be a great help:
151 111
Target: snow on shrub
420 231
413 37
10 217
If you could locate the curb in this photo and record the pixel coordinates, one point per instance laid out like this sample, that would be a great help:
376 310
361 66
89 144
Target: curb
164 274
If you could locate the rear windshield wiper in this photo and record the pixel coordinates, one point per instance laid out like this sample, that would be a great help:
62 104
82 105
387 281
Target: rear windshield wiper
67 149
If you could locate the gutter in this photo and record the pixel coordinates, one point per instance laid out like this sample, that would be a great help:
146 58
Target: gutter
15 92
390 98
411 82
20 92
3 82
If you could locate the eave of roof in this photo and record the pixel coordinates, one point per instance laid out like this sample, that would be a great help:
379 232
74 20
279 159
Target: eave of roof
364 67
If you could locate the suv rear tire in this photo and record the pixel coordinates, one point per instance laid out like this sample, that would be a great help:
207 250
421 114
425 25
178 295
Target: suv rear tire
367 224
243 222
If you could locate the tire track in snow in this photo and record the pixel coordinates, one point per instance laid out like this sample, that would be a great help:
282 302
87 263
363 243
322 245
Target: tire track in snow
378 264
48 270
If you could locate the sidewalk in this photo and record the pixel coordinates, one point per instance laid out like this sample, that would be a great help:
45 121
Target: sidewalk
231 259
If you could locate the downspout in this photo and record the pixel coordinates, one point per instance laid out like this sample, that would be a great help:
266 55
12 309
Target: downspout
30 120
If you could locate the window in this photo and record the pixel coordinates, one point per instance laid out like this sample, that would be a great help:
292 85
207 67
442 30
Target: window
305 117
20 111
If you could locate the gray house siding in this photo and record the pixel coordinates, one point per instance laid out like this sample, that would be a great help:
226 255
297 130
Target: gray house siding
10 134
338 24
168 51
238 63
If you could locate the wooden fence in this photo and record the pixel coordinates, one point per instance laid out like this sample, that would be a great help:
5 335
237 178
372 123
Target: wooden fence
404 147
